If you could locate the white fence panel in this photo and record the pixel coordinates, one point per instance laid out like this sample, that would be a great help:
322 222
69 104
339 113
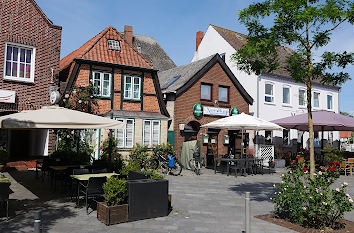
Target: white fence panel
266 152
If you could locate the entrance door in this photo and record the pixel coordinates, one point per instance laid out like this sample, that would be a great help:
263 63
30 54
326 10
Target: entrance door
212 148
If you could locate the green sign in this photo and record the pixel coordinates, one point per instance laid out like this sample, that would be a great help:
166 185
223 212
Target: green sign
197 110
234 111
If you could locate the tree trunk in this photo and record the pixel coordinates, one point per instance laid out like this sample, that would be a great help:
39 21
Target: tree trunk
309 102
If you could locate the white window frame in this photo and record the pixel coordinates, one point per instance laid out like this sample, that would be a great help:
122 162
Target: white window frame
33 56
131 91
271 137
150 144
124 120
288 87
102 73
302 89
313 100
287 142
331 102
269 95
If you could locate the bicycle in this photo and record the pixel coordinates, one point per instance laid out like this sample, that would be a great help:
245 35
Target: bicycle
195 162
168 163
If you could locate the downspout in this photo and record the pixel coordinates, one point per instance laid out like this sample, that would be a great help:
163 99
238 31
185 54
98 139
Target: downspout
257 109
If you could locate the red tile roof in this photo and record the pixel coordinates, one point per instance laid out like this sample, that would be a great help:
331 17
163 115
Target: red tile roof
96 49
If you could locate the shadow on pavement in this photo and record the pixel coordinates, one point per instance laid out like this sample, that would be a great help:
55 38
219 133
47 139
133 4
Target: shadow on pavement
260 191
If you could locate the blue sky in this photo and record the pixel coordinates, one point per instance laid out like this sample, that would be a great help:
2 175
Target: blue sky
173 23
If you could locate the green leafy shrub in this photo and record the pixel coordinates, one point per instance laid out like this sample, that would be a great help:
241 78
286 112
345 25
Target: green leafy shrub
140 156
164 149
153 174
3 155
332 154
115 191
130 166
311 202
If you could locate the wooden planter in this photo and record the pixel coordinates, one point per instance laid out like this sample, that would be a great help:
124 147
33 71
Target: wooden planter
110 215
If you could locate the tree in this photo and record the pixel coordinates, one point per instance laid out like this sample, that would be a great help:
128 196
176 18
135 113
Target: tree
305 25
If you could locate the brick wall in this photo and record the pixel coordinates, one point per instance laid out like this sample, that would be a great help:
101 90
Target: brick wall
183 106
21 21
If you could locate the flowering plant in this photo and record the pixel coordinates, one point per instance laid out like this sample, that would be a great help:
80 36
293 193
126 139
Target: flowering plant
311 202
81 98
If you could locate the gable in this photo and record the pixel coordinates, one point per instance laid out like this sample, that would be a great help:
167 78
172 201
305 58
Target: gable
96 49
194 71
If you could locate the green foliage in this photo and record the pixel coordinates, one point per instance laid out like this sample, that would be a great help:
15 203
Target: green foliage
3 155
311 202
81 98
332 154
164 149
140 156
153 174
130 166
115 191
105 148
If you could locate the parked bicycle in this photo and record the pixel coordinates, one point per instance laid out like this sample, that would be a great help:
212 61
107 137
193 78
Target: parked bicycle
194 163
168 163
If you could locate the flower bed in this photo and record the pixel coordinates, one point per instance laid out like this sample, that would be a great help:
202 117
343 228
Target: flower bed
311 202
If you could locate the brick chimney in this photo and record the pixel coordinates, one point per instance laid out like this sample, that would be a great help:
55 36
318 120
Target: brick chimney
128 34
199 39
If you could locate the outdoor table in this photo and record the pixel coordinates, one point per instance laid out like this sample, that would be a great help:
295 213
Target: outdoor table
229 161
86 177
60 168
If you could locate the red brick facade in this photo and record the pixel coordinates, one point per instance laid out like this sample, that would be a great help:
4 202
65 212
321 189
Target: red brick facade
183 106
22 22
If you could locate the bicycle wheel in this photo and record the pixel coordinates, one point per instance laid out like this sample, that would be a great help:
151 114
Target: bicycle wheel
192 164
177 169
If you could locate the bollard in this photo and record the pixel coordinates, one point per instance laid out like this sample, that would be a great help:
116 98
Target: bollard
37 222
247 213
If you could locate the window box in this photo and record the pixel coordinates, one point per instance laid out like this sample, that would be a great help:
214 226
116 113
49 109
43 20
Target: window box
19 62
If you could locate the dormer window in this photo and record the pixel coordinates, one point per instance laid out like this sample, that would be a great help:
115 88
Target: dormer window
114 45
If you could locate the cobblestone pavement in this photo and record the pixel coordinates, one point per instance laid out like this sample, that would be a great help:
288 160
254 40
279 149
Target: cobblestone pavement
207 203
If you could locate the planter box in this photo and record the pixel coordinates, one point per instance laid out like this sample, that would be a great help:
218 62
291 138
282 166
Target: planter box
110 215
135 175
147 198
279 163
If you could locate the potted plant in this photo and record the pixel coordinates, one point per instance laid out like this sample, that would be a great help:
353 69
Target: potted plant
3 159
115 208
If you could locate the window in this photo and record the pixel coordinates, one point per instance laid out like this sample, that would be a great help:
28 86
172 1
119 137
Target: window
132 86
151 133
269 96
286 95
316 140
286 136
316 99
205 92
224 94
329 102
102 83
301 97
125 136
19 65
113 45
268 137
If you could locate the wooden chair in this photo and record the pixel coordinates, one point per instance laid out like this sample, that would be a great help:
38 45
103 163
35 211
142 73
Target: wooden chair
344 167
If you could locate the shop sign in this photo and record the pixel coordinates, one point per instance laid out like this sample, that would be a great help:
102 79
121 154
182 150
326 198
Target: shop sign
215 111
197 110
234 111
7 96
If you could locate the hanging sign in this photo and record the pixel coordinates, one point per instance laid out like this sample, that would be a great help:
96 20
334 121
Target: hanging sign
197 110
7 96
234 111
215 111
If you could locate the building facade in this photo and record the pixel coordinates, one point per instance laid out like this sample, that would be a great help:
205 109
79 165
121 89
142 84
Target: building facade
275 95
126 87
29 59
199 93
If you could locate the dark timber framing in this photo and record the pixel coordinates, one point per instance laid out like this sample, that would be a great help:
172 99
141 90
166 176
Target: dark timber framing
142 91
123 68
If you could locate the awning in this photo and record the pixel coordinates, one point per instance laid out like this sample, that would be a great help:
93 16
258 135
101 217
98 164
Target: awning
53 117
